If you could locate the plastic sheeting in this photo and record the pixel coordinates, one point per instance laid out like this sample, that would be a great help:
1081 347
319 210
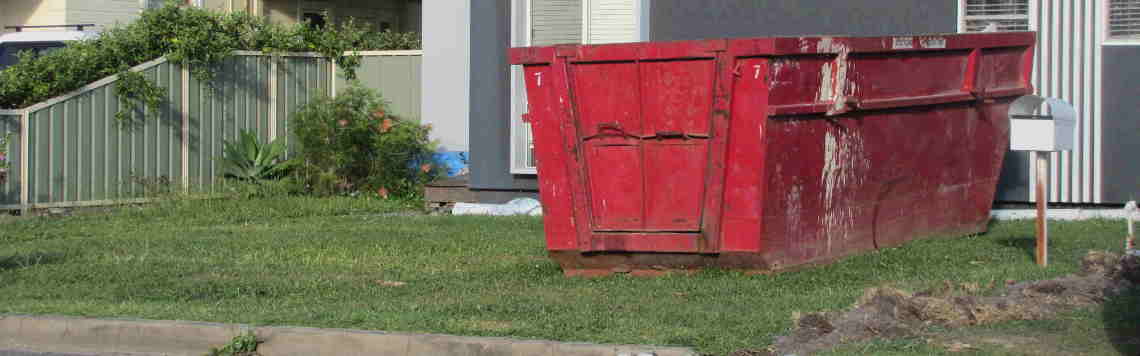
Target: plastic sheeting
518 206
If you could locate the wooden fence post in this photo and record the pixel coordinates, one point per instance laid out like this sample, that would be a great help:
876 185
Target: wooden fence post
25 201
332 77
185 127
272 98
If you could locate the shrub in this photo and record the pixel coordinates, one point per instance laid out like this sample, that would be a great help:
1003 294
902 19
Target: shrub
186 35
5 161
351 144
249 160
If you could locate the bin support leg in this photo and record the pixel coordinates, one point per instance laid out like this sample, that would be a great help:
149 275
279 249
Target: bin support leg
1042 208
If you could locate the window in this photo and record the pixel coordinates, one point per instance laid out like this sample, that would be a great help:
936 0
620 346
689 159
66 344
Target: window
994 15
550 22
1124 19
314 19
9 54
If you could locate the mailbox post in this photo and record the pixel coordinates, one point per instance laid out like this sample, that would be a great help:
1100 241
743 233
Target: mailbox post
1041 134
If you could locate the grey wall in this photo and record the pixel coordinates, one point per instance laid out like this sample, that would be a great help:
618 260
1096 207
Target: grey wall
1121 131
491 100
445 84
1014 184
689 19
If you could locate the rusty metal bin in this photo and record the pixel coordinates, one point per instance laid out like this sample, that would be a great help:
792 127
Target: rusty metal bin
767 153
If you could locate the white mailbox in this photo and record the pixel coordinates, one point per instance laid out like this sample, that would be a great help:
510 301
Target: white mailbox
1030 131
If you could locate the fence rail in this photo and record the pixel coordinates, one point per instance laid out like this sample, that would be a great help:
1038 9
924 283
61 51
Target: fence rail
71 150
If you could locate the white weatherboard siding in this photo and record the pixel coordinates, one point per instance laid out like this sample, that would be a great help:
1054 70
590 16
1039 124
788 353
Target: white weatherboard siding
43 12
102 13
1067 66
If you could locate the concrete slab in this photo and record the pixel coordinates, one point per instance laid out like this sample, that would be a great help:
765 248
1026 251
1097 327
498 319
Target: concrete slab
310 341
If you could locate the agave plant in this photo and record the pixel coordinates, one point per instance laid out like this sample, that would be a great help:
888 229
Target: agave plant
249 159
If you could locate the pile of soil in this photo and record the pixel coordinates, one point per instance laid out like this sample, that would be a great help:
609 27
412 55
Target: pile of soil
892 313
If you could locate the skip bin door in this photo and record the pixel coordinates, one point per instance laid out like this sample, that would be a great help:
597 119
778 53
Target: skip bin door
644 134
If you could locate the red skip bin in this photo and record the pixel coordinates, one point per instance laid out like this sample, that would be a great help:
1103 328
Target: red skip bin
767 153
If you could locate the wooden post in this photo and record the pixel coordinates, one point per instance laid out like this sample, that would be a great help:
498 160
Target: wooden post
1131 243
332 77
272 97
1130 211
185 157
25 193
1042 208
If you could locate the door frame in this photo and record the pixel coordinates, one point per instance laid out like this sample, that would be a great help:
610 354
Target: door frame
708 238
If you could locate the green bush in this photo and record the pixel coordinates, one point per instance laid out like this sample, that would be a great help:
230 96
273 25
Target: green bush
241 345
350 144
185 35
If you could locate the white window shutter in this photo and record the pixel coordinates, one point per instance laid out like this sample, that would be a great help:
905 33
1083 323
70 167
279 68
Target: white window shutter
612 21
1124 19
998 15
555 22
565 22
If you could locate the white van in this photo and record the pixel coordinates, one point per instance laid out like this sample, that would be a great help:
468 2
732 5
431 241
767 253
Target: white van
38 41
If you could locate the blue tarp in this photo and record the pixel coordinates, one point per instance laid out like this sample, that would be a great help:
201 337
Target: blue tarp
453 162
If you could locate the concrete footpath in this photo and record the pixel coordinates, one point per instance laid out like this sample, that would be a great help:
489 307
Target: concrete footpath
49 335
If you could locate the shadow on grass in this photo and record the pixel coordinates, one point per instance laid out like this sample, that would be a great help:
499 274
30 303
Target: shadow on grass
28 260
1027 244
1122 321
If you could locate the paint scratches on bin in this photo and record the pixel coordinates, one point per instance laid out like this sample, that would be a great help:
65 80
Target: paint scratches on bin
777 68
833 84
826 84
826 45
840 92
845 165
795 209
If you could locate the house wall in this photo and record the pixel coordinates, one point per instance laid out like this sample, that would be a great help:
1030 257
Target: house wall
668 20
32 12
102 13
1121 131
219 5
490 103
688 20
446 84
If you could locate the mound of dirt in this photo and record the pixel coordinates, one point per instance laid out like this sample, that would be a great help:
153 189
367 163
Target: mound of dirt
892 313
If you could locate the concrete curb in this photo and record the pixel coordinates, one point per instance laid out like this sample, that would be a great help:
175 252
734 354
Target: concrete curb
1062 214
153 337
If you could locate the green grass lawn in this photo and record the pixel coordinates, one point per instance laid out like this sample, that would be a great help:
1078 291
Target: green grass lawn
330 263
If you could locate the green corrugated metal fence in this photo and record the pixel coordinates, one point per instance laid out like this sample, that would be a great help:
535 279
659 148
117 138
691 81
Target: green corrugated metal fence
389 74
79 154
